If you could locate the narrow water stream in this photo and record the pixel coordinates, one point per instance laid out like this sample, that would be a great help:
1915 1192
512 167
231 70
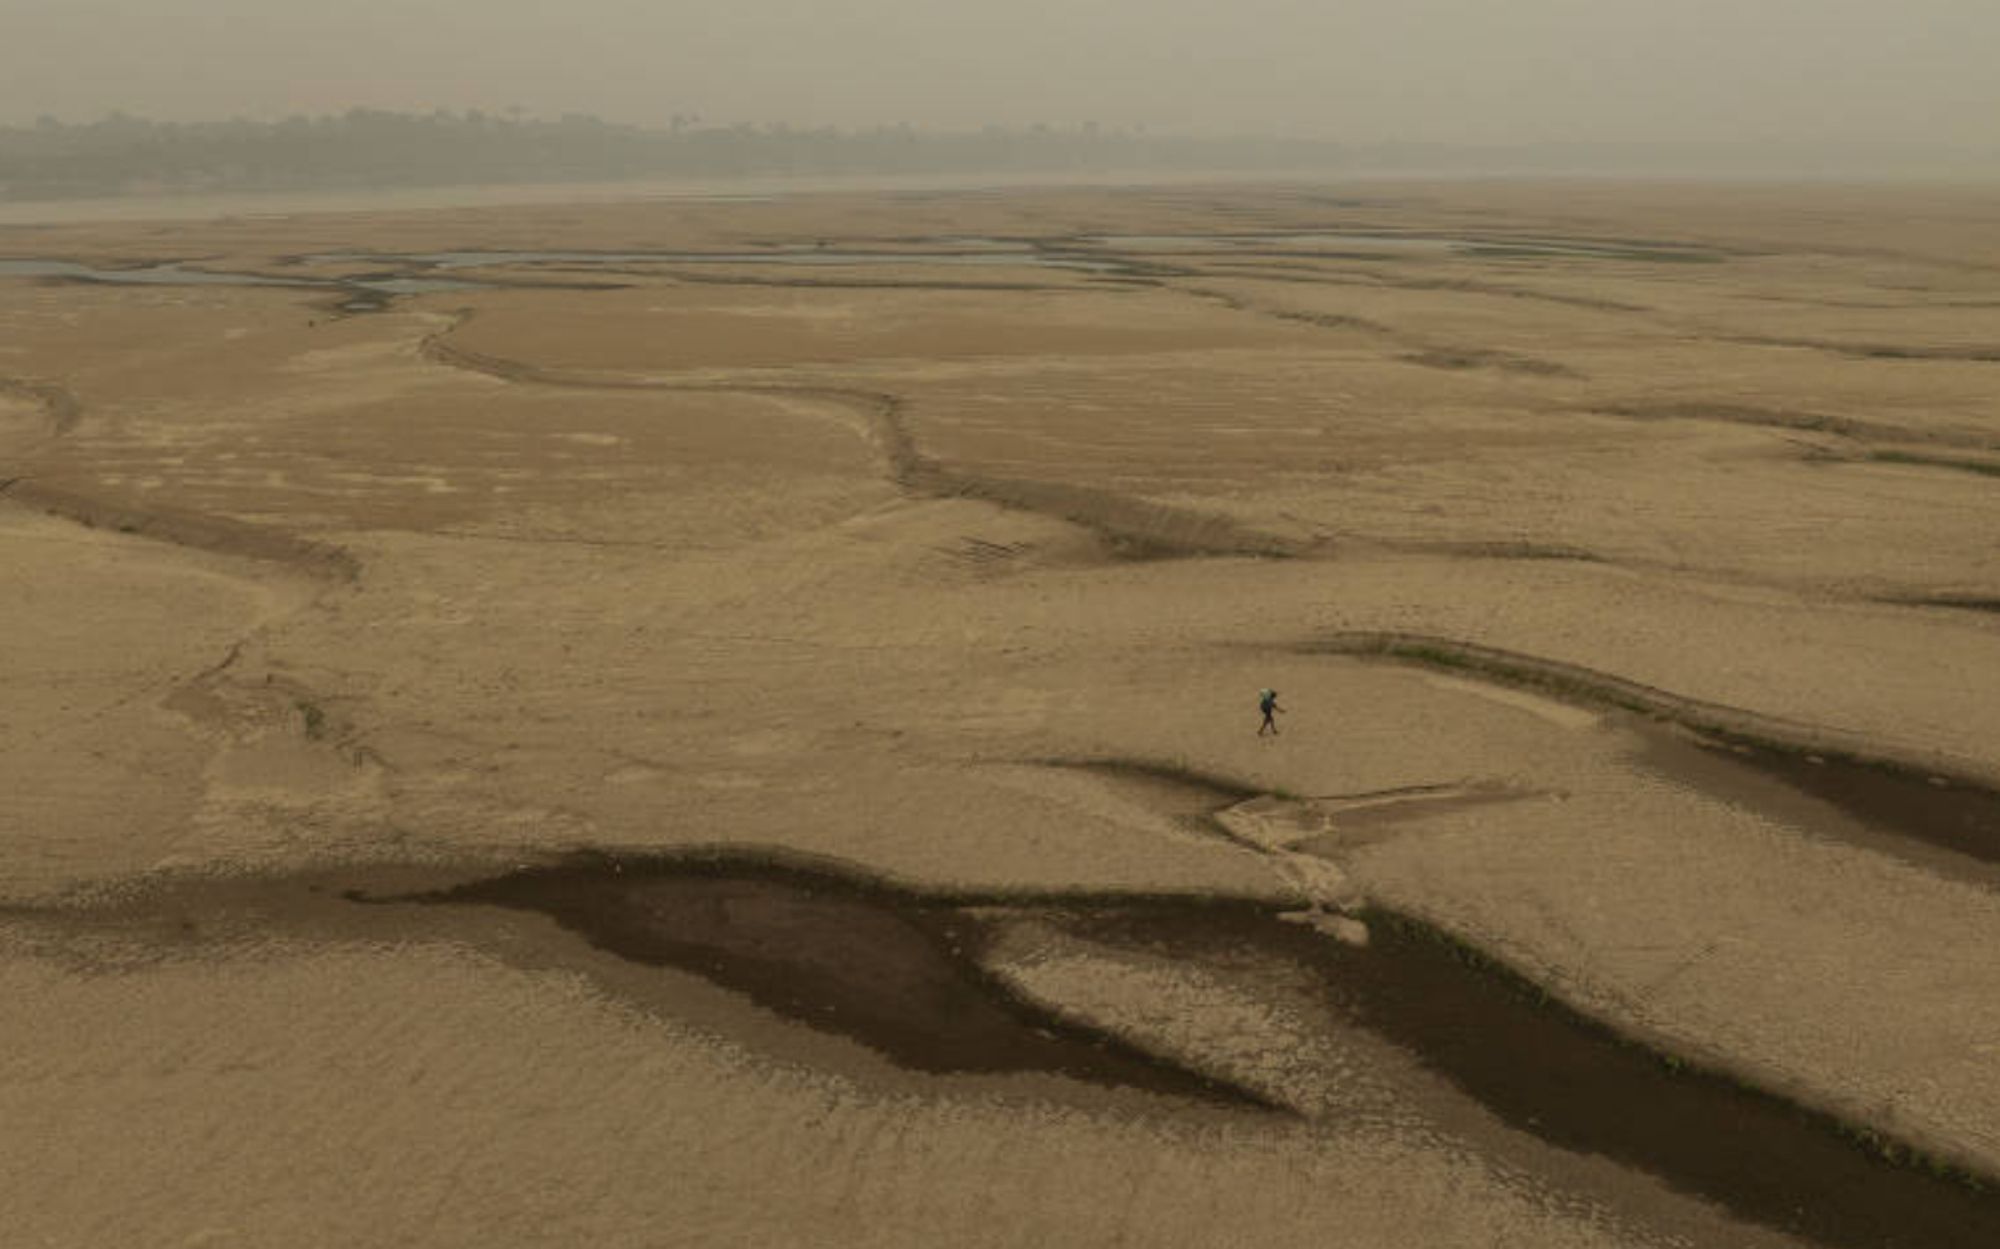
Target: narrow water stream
178 274
808 256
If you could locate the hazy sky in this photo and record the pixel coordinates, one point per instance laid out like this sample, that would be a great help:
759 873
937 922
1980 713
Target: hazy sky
1468 70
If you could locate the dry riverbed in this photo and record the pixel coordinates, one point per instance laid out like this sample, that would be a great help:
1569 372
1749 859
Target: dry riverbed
682 722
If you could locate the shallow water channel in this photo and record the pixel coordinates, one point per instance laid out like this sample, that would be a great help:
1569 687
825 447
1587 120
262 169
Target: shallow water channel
900 971
1385 244
178 274
987 253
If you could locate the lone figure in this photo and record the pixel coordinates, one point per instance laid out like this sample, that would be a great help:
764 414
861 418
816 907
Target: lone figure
1267 702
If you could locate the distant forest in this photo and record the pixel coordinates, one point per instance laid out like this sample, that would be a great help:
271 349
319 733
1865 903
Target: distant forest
366 148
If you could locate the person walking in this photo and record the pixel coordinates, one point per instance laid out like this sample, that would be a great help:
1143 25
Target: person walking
1267 702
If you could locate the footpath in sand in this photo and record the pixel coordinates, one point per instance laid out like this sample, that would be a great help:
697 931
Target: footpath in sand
739 726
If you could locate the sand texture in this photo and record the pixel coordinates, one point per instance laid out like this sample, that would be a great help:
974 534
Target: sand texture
733 722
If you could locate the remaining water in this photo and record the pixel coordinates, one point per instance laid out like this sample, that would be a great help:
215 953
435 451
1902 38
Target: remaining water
177 275
410 286
152 275
1387 242
1109 253
976 252
1270 242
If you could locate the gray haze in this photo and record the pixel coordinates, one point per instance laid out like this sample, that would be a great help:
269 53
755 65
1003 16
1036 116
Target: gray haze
1478 71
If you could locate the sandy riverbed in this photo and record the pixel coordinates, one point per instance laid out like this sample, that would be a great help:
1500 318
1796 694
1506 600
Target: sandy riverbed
959 575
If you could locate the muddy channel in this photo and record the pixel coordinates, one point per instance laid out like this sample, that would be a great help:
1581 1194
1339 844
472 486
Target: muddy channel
901 971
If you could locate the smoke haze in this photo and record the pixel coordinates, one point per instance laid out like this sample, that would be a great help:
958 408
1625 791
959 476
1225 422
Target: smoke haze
1450 71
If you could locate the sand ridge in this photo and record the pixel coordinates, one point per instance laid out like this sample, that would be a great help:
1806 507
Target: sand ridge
963 577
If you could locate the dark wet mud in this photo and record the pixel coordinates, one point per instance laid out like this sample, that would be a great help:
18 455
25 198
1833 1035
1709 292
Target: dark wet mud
1548 1071
1961 464
895 972
1947 825
218 534
1957 816
1954 602
1948 814
899 970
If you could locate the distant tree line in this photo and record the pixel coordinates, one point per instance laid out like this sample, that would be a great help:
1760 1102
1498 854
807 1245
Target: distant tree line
369 148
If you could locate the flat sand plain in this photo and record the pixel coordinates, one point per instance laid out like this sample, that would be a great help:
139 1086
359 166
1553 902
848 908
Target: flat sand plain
739 727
